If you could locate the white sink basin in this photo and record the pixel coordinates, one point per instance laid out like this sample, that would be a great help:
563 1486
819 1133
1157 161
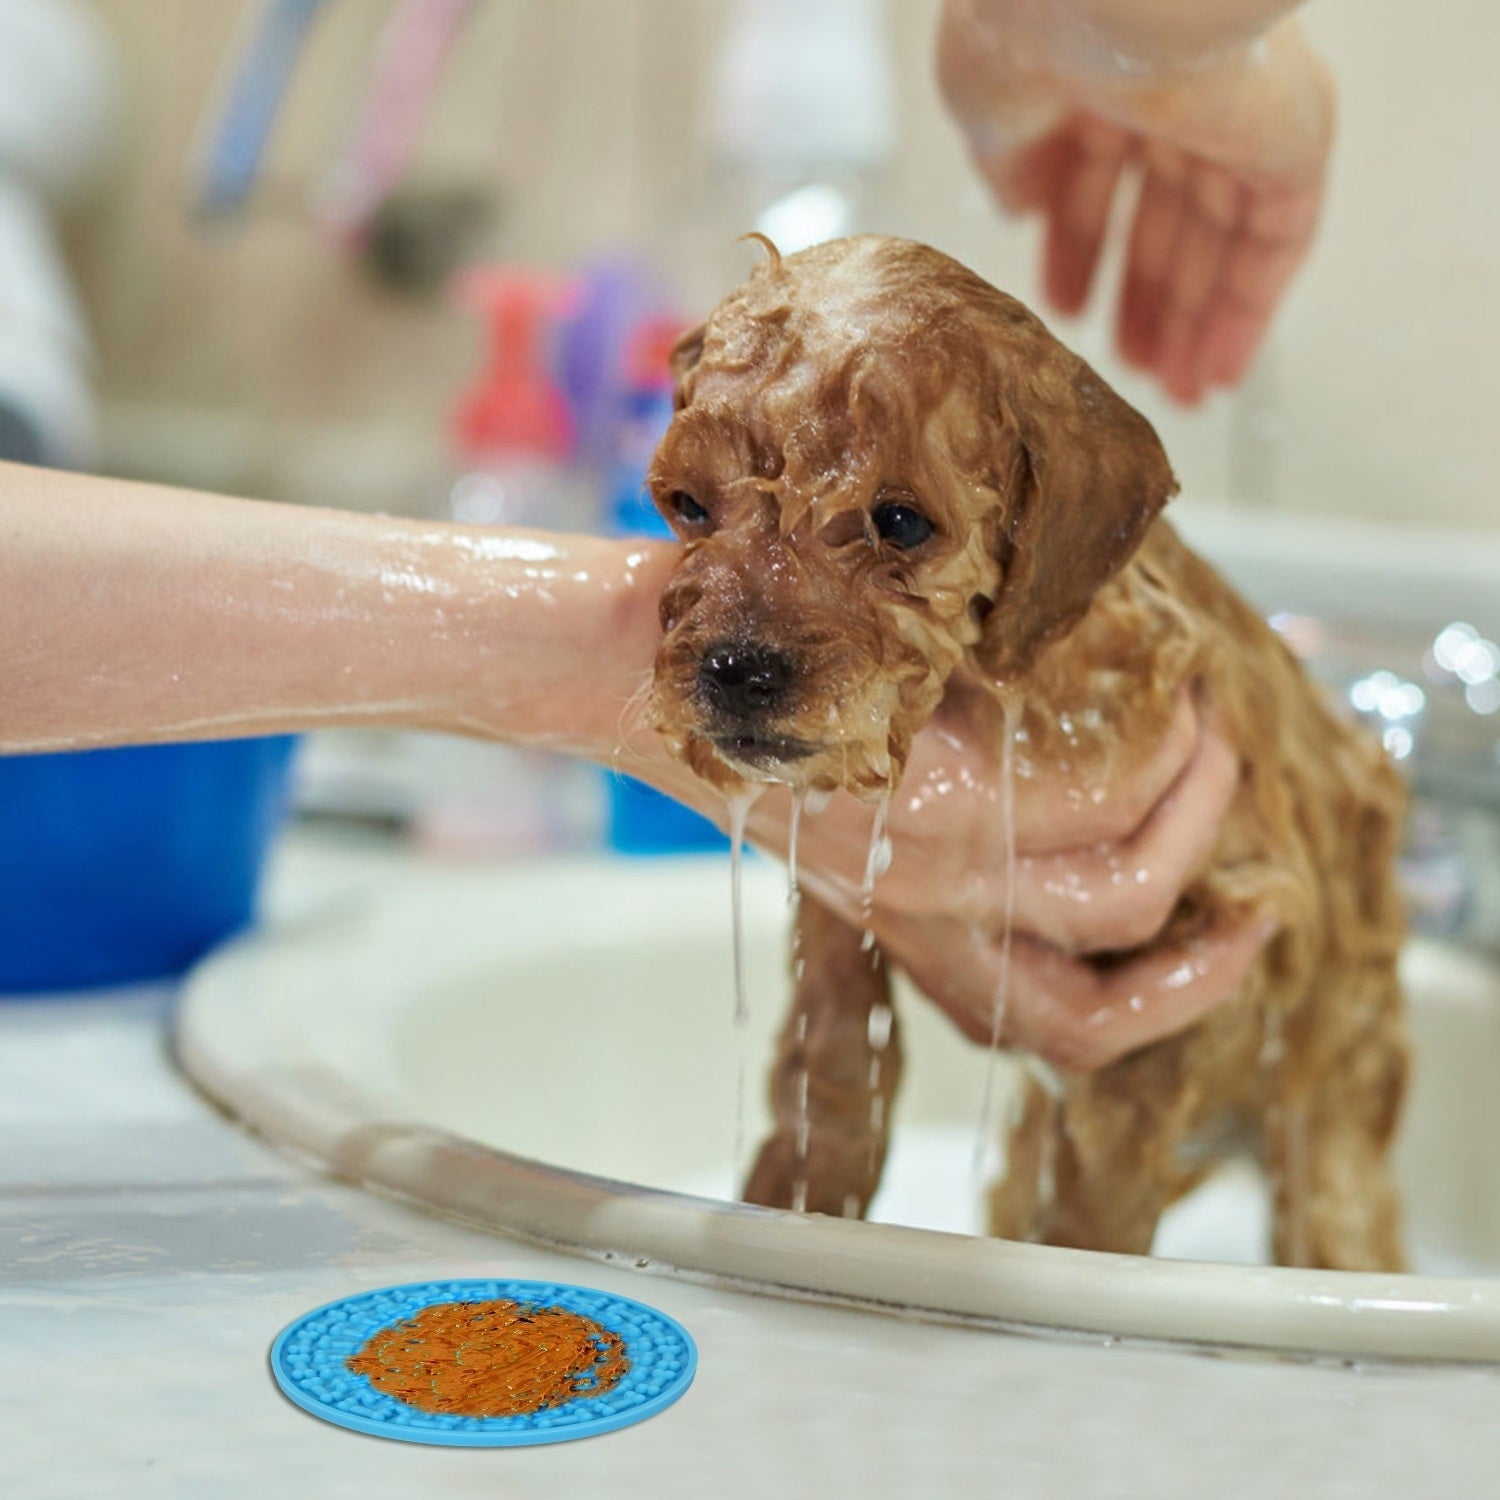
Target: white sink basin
550 1052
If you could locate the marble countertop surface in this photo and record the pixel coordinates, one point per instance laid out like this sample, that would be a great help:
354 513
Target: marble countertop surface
150 1251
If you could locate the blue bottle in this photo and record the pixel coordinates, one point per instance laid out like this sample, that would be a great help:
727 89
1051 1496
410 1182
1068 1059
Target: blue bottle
641 819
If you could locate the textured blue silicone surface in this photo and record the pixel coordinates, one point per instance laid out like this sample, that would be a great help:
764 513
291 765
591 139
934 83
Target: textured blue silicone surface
309 1358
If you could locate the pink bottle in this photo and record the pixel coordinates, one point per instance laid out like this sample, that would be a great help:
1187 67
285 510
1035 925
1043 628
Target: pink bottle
511 431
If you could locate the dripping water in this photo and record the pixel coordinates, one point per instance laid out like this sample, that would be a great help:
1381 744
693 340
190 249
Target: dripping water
798 801
739 804
802 1124
877 862
985 1133
878 1037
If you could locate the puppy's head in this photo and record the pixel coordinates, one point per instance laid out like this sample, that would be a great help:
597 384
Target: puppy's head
879 464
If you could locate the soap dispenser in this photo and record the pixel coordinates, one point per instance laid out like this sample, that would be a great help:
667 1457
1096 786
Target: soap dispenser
511 432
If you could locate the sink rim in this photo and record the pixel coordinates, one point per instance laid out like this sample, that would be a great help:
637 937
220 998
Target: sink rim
243 1038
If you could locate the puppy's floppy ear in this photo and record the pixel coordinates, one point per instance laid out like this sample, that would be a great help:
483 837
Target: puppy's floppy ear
682 361
1087 477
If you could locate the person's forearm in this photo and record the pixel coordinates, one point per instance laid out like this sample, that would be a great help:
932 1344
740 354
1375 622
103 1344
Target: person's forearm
131 613
1165 33
1136 35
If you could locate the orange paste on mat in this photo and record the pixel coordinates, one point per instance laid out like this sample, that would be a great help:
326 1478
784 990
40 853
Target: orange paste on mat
492 1359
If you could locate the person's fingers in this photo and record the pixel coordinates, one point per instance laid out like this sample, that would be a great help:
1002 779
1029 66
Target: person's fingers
1256 128
1080 211
1213 207
1055 813
1208 261
947 819
1256 275
1026 178
1258 270
1285 215
1068 1011
1090 1019
1232 336
1093 862
1159 214
1009 118
1118 896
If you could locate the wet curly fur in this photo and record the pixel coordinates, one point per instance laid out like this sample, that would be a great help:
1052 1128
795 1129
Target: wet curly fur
807 640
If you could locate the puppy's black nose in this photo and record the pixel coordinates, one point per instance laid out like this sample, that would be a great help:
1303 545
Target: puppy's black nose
744 681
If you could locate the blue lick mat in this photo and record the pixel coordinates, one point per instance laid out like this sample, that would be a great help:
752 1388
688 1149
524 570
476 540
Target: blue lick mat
308 1361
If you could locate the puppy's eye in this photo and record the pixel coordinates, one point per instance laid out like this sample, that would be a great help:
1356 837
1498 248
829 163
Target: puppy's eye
903 526
686 509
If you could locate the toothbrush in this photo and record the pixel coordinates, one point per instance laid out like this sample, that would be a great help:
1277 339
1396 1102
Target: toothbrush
248 106
409 60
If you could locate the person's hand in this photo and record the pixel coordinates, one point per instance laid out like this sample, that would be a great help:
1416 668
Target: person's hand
1098 869
1092 875
1231 150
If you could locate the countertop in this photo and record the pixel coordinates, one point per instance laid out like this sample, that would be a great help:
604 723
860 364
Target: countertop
150 1251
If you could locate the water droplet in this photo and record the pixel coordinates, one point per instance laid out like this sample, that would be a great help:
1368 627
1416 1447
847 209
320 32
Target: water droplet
877 860
739 811
987 1125
804 1121
798 800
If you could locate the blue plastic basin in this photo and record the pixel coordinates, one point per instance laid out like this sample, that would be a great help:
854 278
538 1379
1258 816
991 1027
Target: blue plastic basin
124 865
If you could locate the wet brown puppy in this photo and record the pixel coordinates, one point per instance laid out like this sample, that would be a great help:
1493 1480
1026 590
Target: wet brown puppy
895 484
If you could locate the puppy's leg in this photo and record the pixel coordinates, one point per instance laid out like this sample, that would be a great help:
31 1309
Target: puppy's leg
1328 1143
837 1066
1117 1164
1019 1199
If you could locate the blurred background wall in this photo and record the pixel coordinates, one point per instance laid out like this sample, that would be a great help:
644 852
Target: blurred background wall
250 357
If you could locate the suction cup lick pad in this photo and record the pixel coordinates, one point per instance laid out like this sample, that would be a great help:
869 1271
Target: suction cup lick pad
310 1360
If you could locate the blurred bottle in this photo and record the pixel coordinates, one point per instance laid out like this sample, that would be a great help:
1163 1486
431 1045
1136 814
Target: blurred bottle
512 437
616 295
641 819
645 411
513 450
